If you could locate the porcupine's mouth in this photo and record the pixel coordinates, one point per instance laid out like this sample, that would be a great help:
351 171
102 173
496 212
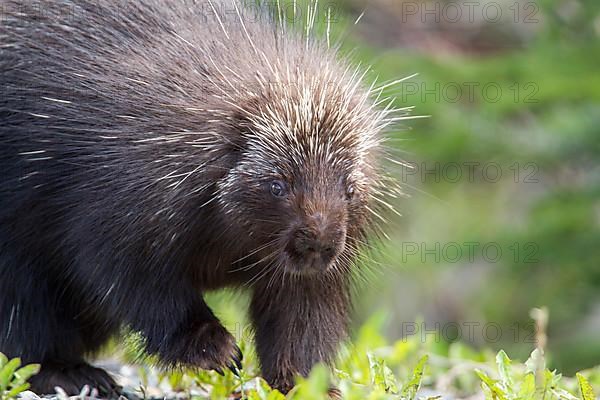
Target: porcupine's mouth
310 262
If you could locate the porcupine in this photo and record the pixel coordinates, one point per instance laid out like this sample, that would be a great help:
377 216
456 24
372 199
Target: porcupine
153 151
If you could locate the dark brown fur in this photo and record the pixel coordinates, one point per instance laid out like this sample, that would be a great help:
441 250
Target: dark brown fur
143 146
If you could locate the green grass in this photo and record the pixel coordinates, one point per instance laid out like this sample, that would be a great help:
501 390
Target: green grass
369 367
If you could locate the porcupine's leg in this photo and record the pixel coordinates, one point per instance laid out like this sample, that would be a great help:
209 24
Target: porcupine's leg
297 326
180 329
46 323
171 315
39 325
197 340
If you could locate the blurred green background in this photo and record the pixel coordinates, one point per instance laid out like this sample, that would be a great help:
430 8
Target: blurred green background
503 206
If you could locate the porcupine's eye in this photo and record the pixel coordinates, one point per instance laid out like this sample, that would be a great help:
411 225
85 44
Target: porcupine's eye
278 189
350 192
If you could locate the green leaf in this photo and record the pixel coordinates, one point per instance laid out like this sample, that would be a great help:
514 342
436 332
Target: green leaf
318 379
260 390
527 389
381 376
3 360
563 394
491 384
390 380
503 363
374 368
487 392
16 390
23 374
342 374
587 392
7 372
175 380
275 395
313 387
545 383
409 391
553 378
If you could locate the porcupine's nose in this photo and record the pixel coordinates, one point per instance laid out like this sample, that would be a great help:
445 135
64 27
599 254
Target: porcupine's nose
319 241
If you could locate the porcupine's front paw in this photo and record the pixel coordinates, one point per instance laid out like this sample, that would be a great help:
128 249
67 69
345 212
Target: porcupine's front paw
208 346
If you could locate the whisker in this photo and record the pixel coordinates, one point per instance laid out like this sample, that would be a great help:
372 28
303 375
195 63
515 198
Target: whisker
258 249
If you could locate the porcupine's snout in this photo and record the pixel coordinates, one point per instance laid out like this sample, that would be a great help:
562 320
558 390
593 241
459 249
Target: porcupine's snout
316 242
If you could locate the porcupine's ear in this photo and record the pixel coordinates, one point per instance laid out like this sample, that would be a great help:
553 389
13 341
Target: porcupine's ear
227 146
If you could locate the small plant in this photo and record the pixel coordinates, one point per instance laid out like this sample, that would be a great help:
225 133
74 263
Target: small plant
13 380
413 368
531 381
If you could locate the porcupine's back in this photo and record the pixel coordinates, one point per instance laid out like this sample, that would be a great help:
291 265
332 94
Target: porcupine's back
103 84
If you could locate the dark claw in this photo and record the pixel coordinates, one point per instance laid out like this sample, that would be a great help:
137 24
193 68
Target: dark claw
107 386
219 371
233 370
238 359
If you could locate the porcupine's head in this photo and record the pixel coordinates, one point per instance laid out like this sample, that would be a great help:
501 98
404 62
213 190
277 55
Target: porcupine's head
308 181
